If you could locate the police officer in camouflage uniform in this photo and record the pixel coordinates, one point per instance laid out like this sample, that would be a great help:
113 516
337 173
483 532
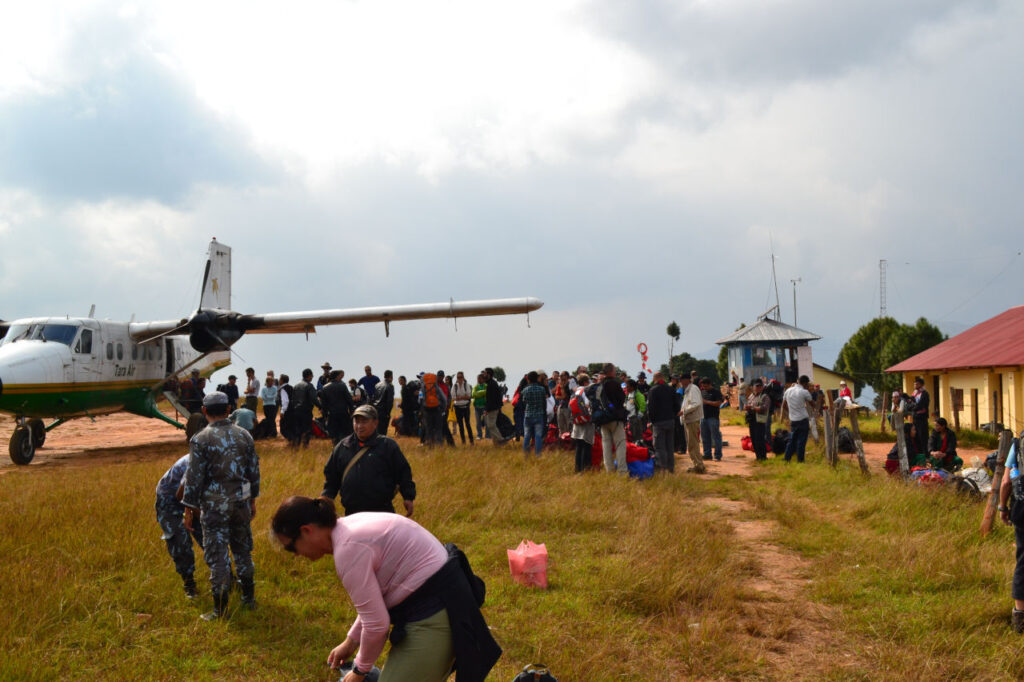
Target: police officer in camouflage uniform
223 482
169 511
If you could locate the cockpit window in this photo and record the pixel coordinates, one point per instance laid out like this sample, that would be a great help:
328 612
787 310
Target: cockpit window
60 333
84 344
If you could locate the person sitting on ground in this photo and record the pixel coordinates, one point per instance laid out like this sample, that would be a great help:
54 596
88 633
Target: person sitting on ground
401 578
942 448
244 417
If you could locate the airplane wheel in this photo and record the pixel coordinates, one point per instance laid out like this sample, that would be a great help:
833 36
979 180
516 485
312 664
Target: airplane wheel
38 432
195 424
22 450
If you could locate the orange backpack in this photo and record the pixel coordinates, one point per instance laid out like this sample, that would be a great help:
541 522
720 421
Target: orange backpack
430 391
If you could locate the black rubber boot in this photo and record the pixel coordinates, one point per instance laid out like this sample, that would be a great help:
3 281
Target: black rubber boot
248 594
190 588
220 605
1018 621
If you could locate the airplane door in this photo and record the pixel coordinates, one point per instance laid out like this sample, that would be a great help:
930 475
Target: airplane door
86 360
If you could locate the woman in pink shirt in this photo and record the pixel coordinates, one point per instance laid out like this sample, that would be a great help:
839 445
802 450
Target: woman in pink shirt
382 560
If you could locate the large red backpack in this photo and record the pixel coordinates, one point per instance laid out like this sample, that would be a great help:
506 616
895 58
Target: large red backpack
430 391
579 408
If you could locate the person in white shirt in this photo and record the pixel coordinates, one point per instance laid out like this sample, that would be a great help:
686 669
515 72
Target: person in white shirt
690 415
798 400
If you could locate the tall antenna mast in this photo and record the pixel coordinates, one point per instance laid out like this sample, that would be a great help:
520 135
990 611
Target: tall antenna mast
775 283
882 264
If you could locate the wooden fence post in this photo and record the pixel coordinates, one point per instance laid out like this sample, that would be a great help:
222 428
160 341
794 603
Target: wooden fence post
1005 438
901 439
838 416
827 433
855 428
885 407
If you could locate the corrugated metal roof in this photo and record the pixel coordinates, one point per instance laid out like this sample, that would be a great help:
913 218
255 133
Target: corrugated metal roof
768 331
997 342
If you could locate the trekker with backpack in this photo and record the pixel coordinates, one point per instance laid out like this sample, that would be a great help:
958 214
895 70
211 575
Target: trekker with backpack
435 407
582 426
610 415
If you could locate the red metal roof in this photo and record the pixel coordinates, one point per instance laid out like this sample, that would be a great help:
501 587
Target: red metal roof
998 342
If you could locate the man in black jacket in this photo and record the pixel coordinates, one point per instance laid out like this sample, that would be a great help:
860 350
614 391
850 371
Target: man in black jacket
367 467
383 401
492 407
336 403
662 410
303 401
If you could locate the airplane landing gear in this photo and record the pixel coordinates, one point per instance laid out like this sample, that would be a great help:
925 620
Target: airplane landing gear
22 449
38 429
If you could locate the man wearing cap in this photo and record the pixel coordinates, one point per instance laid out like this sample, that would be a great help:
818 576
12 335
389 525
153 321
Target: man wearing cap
336 403
367 468
325 378
223 482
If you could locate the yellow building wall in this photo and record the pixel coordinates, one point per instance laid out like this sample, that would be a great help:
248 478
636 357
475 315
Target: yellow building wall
827 379
1007 408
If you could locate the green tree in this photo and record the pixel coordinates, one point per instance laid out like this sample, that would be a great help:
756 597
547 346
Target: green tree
595 367
499 373
684 363
674 333
882 343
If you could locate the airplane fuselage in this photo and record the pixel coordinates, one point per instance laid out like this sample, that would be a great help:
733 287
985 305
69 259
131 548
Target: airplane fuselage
74 367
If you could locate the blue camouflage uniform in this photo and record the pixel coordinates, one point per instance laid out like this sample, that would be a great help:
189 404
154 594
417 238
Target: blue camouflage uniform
168 515
223 477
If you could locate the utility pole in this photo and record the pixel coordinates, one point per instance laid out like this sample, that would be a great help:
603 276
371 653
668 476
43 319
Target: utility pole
794 281
882 264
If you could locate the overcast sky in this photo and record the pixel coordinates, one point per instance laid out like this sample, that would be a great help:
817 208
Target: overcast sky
629 164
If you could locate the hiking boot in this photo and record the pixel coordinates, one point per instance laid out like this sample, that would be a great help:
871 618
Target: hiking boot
248 594
1017 618
220 605
695 470
190 588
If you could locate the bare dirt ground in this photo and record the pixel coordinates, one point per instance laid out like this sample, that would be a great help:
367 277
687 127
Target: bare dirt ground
118 437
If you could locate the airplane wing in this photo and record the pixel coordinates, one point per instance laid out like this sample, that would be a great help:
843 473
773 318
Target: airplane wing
307 321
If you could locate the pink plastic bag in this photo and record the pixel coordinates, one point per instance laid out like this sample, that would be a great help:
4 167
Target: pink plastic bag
528 564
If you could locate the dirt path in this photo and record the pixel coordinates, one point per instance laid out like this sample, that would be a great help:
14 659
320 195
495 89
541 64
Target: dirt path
791 632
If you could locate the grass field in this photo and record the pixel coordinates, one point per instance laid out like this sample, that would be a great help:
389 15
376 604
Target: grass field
649 580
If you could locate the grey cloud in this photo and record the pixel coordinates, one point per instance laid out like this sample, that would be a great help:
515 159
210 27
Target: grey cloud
770 42
127 130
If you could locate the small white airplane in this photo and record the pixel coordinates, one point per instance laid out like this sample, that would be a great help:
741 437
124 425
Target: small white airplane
67 367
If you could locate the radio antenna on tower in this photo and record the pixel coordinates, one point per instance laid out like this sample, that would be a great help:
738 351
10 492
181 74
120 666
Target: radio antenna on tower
882 264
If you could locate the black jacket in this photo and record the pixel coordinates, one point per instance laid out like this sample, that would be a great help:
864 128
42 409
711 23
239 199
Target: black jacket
410 396
494 399
336 401
935 443
921 405
456 588
613 395
371 484
303 398
661 403
384 398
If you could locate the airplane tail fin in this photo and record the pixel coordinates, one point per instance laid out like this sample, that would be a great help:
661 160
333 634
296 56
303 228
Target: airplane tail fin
217 282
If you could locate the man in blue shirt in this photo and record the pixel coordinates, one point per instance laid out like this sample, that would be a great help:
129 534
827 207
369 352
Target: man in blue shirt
369 382
535 399
1015 518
